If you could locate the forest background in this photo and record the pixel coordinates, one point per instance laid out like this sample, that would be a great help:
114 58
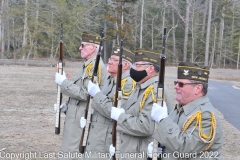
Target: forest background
201 31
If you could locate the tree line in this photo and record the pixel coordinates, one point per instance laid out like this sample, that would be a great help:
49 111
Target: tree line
201 31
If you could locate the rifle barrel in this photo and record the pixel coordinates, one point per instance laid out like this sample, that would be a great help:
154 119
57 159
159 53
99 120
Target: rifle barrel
59 94
117 102
160 92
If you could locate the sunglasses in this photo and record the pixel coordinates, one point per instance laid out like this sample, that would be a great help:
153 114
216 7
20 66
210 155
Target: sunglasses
181 84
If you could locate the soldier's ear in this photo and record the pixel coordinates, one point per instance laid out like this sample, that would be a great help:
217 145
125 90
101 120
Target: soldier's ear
198 88
150 69
125 64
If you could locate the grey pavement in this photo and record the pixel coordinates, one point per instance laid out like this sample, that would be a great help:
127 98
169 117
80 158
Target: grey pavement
226 98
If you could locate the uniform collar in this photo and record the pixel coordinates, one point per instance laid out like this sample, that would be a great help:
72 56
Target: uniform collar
148 82
124 75
89 61
190 107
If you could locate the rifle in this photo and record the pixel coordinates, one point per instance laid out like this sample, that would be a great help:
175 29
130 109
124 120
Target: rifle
117 104
160 91
59 94
88 110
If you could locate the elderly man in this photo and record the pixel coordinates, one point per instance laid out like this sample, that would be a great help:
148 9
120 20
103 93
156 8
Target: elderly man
77 92
193 129
134 120
100 133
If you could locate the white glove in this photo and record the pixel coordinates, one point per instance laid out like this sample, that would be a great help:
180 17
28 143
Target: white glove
158 112
150 150
111 150
83 122
60 78
93 89
63 107
115 112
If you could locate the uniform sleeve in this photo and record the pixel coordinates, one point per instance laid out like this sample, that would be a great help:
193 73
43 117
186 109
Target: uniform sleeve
73 90
128 87
168 99
141 125
104 74
170 135
102 104
127 90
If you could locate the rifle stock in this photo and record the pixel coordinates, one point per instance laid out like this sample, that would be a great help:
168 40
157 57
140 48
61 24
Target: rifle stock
59 94
160 92
117 103
88 110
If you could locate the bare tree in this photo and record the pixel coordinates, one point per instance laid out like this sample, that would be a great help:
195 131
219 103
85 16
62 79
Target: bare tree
238 54
186 31
25 24
214 45
204 18
141 26
2 28
175 57
220 39
208 32
36 29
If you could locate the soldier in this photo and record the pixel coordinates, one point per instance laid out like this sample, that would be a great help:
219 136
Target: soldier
100 136
77 92
193 129
134 120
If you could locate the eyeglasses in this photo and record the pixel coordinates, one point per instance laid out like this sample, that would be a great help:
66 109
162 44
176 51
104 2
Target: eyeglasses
141 64
113 59
181 84
83 45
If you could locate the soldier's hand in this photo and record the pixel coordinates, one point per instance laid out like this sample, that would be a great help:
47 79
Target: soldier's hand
111 150
150 150
60 78
93 89
83 122
64 107
115 112
159 112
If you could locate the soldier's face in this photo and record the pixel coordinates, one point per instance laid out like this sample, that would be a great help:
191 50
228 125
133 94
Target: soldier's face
185 93
113 64
87 49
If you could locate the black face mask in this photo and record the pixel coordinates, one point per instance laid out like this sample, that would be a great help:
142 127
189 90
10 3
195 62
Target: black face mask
137 75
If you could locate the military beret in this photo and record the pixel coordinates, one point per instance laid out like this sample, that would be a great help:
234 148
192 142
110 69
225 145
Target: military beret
127 54
191 71
91 38
147 55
